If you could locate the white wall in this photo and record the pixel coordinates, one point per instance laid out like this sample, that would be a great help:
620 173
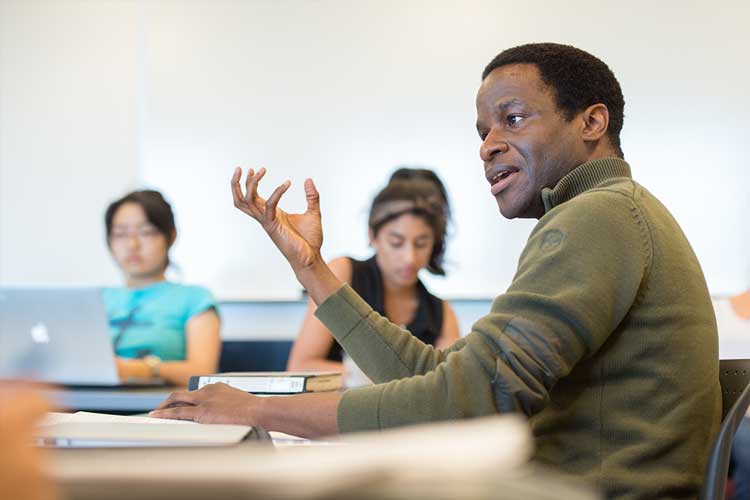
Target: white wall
98 96
69 135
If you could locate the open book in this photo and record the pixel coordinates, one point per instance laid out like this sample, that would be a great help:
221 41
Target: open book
95 430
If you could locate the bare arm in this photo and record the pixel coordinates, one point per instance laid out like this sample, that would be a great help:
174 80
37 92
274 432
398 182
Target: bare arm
203 348
314 341
450 332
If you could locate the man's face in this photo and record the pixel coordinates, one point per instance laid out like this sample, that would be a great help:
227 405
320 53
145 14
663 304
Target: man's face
527 144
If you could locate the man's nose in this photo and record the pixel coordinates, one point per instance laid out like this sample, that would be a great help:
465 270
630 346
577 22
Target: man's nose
492 145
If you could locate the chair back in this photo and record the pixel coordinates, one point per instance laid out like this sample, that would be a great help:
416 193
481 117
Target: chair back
254 355
734 378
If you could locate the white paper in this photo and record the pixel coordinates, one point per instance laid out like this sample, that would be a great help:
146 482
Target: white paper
53 418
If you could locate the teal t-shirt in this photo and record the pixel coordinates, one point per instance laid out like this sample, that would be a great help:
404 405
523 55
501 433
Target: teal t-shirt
151 320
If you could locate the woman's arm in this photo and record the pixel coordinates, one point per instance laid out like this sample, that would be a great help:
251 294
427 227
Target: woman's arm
203 348
314 341
450 332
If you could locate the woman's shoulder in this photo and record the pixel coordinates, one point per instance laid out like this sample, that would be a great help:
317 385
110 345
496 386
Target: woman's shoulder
342 268
354 271
193 299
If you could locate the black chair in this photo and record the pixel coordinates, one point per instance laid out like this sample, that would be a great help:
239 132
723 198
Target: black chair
734 377
254 355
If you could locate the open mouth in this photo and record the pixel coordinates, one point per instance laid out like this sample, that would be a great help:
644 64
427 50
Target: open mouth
501 180
502 175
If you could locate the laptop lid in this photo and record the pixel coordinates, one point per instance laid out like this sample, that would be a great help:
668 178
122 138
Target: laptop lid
58 335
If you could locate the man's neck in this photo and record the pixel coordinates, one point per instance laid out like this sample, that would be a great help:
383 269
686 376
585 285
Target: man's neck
601 150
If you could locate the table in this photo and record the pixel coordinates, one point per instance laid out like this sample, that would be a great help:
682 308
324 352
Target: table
480 459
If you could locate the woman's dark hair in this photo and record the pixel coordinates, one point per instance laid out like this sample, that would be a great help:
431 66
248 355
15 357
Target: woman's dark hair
158 211
420 192
409 173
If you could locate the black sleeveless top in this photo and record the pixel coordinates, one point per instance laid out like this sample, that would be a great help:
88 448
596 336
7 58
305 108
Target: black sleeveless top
368 283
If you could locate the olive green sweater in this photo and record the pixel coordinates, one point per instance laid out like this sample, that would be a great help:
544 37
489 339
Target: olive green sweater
606 339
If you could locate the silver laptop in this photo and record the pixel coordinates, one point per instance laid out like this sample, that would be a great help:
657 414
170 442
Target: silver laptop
56 335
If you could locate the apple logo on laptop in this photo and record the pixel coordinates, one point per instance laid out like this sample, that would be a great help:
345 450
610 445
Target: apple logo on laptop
39 334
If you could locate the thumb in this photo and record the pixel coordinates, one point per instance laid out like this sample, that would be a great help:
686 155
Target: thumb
312 196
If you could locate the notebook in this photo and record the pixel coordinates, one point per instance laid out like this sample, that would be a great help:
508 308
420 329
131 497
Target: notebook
273 382
94 430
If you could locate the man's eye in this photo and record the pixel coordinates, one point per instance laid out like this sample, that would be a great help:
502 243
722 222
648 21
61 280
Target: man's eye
514 120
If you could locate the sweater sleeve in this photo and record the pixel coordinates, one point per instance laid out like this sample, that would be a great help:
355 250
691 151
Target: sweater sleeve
392 353
577 277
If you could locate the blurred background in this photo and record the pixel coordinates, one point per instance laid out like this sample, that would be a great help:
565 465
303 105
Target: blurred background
101 97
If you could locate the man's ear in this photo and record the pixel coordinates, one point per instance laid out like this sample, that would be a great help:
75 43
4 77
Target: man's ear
595 122
371 236
172 238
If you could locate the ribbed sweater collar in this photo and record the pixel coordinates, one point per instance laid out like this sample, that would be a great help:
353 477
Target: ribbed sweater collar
582 178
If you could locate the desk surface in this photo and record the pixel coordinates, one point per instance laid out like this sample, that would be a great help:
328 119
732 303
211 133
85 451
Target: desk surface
114 399
473 460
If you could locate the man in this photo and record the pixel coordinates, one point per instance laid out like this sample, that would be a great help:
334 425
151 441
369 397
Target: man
614 363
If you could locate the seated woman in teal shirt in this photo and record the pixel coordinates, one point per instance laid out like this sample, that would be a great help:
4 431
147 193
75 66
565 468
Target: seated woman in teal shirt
158 328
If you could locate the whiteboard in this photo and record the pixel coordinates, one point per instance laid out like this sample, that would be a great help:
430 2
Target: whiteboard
174 95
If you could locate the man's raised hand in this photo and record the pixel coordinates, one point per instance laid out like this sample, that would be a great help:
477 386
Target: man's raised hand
298 236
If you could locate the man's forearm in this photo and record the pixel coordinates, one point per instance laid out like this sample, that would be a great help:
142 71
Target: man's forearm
304 415
318 280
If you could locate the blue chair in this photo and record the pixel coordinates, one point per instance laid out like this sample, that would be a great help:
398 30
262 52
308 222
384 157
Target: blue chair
254 355
734 377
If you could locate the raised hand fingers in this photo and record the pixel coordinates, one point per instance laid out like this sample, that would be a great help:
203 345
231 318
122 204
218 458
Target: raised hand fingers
250 202
237 195
312 196
273 200
254 205
239 199
251 185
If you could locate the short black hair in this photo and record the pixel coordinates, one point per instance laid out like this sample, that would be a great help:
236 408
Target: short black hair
158 211
429 200
577 78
